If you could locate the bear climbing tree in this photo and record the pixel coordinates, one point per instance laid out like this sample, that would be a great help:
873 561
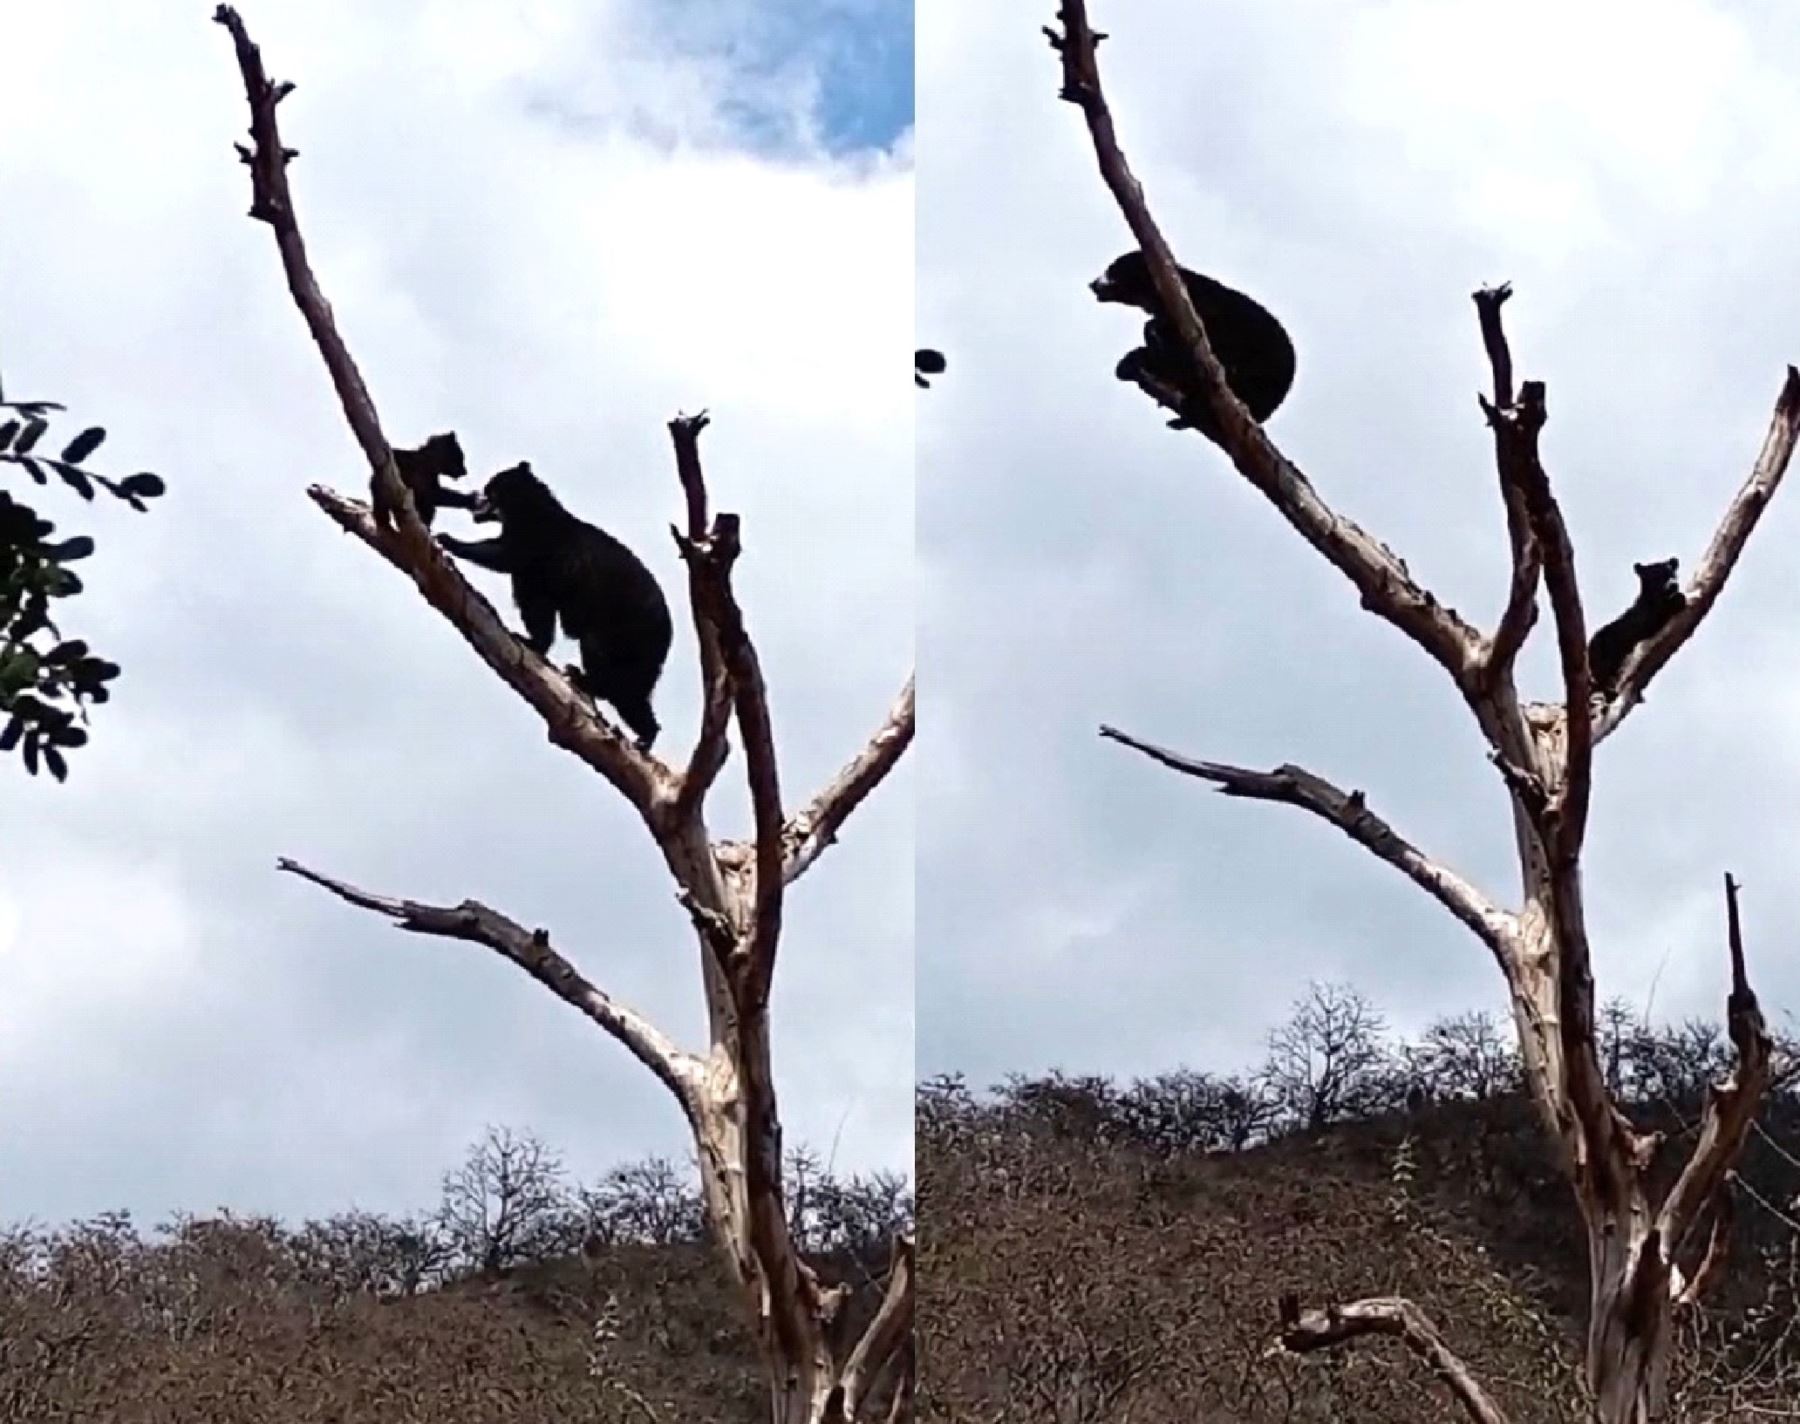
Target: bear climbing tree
820 1371
1656 1237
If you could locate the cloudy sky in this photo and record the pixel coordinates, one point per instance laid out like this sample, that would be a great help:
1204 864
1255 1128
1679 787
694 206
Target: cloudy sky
1634 170
549 225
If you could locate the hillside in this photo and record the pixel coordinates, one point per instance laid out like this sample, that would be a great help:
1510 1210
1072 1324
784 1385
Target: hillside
1079 1267
519 1297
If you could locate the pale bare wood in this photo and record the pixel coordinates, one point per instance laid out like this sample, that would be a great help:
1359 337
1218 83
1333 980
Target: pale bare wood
886 1335
1387 588
1520 614
1720 558
532 951
572 721
712 745
1349 812
814 830
1307 1330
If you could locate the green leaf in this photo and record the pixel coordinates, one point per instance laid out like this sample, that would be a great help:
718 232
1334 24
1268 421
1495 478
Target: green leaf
10 737
54 760
69 550
34 431
143 484
84 444
36 471
31 751
7 431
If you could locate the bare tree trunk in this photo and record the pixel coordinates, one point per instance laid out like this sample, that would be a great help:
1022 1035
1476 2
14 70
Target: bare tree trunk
732 891
1544 754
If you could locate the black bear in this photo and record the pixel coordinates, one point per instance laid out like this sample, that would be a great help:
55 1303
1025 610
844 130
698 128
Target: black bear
564 567
926 362
1659 598
439 458
1250 343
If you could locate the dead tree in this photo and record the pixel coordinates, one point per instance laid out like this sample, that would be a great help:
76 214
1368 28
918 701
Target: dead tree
732 891
1648 1254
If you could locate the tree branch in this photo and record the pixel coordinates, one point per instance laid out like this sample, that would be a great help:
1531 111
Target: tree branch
1516 431
712 563
1731 1105
1718 1247
885 1335
1720 559
1295 786
1527 558
1386 586
712 747
679 1070
570 718
273 203
1305 1331
813 830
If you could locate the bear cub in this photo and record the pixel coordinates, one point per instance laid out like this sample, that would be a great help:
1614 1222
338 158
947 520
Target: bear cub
439 458
564 568
1659 598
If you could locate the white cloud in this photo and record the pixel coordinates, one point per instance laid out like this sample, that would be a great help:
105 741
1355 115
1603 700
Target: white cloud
204 1030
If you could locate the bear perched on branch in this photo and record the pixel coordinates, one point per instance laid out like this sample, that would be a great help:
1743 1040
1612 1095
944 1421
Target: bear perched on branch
422 471
1250 343
563 567
1659 598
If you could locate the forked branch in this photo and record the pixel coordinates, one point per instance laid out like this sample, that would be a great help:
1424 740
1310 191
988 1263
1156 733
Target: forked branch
1517 429
1527 557
531 950
884 1339
712 746
711 561
1304 1331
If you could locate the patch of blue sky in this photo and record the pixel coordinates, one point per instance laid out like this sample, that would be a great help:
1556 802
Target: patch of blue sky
852 59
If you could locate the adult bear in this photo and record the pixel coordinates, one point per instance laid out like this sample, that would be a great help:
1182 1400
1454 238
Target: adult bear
1250 343
563 567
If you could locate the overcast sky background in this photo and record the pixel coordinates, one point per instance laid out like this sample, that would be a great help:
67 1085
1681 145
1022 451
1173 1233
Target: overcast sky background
549 225
1634 170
